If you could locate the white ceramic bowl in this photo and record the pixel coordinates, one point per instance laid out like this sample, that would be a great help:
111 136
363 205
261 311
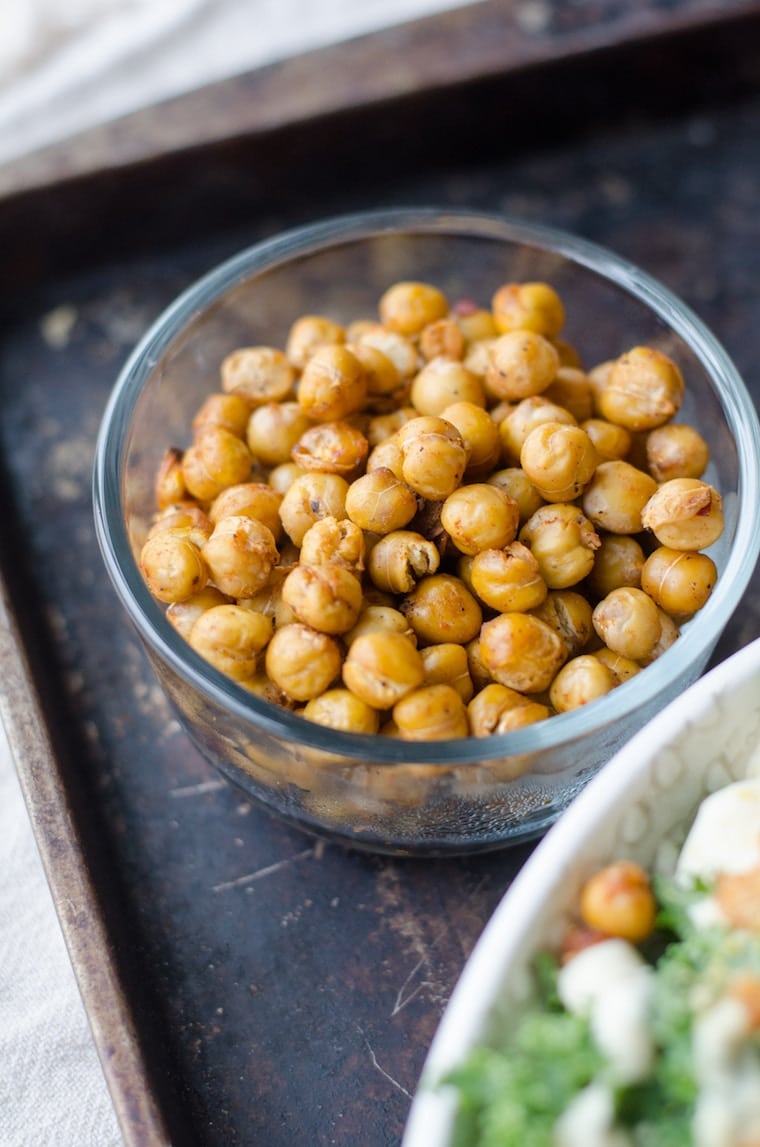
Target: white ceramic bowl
641 802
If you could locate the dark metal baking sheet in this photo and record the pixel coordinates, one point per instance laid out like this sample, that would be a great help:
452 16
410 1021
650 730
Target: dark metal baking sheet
245 983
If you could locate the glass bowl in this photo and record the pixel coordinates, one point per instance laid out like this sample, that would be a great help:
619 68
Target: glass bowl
378 792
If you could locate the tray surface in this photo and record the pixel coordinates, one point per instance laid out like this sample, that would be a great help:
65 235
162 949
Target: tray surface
281 990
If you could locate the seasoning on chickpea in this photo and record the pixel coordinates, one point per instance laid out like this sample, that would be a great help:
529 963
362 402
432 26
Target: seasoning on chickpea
684 514
441 608
515 427
173 567
559 460
302 661
508 579
311 497
679 581
644 389
616 496
563 542
216 459
381 667
333 448
400 559
325 597
479 517
521 651
380 503
333 384
230 638
249 500
240 555
443 381
434 456
580 680
521 364
331 541
628 622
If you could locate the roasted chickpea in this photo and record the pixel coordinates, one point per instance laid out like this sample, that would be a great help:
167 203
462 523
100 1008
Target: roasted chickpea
230 411
475 322
341 709
312 497
508 579
333 448
521 364
258 374
310 333
477 358
184 520
616 496
382 667
559 460
400 559
669 634
478 672
569 614
443 381
408 307
173 567
184 614
273 430
332 541
169 486
644 389
380 502
249 500
380 619
618 900
619 561
240 555
622 668
384 426
387 456
563 542
525 417
528 306
446 664
325 597
515 482
499 709
434 457
679 581
282 477
480 435
627 621
611 442
480 517
572 389
382 374
302 661
521 652
582 679
443 337
399 349
215 460
431 713
230 638
676 451
441 608
684 514
333 385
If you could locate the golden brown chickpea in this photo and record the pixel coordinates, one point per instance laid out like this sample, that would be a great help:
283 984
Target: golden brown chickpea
618 900
525 417
310 333
443 337
563 542
477 359
330 541
528 306
384 426
441 608
431 713
333 448
521 364
478 672
499 709
676 451
382 374
258 374
475 322
408 307
282 477
273 430
387 456
618 562
184 520
230 411
173 567
169 486
521 652
380 619
599 376
446 664
572 389
302 662
480 517
268 600
312 497
230 638
399 349
515 482
326 597
400 559
622 668
380 502
333 385
216 459
340 709
569 614
684 514
240 555
644 390
669 634
434 457
679 581
581 680
616 496
508 579
559 460
480 435
261 687
611 442
382 667
569 355
249 500
443 381
184 614
627 621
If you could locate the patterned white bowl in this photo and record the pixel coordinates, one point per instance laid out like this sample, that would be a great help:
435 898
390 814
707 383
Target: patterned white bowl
639 807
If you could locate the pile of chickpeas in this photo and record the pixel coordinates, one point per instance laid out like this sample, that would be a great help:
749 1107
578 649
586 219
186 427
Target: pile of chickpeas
435 522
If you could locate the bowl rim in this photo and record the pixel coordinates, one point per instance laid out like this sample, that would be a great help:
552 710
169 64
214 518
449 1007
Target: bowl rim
160 637
521 907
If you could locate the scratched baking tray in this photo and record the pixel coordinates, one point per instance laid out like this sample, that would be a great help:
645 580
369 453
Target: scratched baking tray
246 984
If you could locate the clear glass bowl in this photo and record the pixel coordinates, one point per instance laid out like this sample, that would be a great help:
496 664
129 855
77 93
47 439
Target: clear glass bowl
377 792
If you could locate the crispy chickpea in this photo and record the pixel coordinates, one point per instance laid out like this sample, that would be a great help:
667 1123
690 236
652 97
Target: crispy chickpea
282 477
599 376
332 541
480 517
310 333
616 495
478 672
258 374
528 306
521 364
611 442
563 542
399 349
408 307
380 619
622 668
312 497
443 337
619 561
627 621
169 486
446 664
679 581
475 322
268 600
215 460
499 709
441 608
480 435
669 634
400 559
581 680
569 355
240 555
443 381
515 482
230 638
521 651
249 500
508 579
644 390
431 713
173 567
384 426
382 374
434 457
261 686
341 709
618 900
559 460
477 359
676 451
273 430
572 389
332 447
382 667
302 661
230 411
684 514
387 456
326 597
380 502
569 614
525 417
333 385
184 614
184 520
